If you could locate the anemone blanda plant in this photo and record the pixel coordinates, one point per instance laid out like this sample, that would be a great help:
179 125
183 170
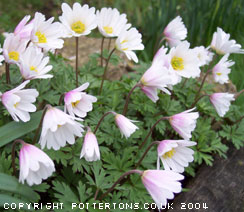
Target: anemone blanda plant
62 133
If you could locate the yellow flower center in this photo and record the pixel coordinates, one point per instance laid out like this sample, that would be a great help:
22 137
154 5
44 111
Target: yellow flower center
75 103
16 104
219 74
33 68
169 154
13 55
41 37
177 63
108 30
59 125
78 27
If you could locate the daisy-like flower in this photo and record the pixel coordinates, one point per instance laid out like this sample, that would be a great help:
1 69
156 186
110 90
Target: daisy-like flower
46 34
59 128
162 185
175 154
175 32
128 41
184 61
35 165
77 102
222 69
222 44
221 102
33 64
204 56
90 148
1 57
184 123
78 21
110 22
23 29
153 79
13 48
125 125
19 101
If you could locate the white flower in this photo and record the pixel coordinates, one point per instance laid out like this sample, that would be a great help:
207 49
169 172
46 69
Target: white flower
1 57
222 45
162 185
23 29
129 40
175 154
19 101
90 148
184 123
221 102
77 102
175 32
59 128
79 21
222 69
125 125
46 34
35 165
184 61
204 56
13 47
33 64
110 22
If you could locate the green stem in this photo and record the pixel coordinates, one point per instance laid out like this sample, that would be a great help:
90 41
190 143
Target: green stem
77 60
105 71
102 52
8 81
101 119
196 101
13 154
239 93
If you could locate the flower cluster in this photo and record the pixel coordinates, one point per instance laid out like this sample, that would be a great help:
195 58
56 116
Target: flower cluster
28 48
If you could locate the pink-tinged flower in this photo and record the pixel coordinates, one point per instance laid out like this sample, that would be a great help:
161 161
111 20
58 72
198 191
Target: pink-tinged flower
175 154
110 22
35 165
184 123
184 62
13 48
90 148
18 102
222 44
78 21
23 29
128 41
1 57
162 185
59 128
77 102
221 102
33 64
175 32
125 125
222 69
46 34
204 56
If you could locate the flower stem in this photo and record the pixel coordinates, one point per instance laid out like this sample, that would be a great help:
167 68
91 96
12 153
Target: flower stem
13 154
239 93
60 99
196 101
109 43
95 197
238 120
145 153
204 79
77 59
118 181
7 73
102 52
128 98
101 119
105 71
184 83
40 124
150 132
